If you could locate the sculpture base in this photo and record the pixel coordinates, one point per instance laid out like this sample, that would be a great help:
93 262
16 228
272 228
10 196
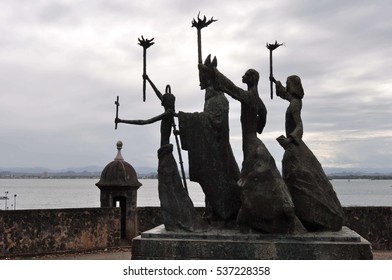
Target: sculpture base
159 244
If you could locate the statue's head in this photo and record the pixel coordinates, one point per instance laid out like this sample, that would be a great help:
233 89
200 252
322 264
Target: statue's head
251 77
168 99
206 72
294 86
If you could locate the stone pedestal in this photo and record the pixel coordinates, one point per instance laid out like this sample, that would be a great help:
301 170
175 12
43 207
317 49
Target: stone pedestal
160 244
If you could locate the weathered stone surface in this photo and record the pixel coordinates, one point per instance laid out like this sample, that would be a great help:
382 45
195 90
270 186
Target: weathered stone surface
118 173
212 164
119 184
266 202
228 244
373 223
178 212
316 203
58 230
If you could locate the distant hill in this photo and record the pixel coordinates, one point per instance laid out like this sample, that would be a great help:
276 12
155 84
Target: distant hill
94 171
359 173
79 172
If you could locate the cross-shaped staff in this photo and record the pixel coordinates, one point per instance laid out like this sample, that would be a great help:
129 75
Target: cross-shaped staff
117 102
272 47
145 43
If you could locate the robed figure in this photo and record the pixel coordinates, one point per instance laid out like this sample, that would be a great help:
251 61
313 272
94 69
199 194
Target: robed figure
266 203
316 203
205 135
178 211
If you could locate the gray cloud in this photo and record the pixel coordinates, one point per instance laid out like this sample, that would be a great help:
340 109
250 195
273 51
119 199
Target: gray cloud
63 64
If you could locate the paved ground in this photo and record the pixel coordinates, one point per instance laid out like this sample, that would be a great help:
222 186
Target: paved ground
382 255
124 253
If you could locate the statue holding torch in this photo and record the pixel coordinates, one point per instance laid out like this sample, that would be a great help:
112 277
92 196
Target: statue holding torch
200 24
271 48
145 43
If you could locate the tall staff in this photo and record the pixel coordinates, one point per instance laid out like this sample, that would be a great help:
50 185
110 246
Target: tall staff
200 24
168 91
145 43
272 47
117 102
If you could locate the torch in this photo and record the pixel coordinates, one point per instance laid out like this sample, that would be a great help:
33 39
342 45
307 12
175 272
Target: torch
272 47
145 43
200 24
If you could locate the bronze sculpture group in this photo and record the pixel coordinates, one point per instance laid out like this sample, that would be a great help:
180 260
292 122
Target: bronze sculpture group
257 197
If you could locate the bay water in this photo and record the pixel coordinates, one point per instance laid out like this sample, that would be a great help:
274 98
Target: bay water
80 193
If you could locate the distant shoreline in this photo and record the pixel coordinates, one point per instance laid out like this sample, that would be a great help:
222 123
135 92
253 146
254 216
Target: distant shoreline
154 176
360 177
74 176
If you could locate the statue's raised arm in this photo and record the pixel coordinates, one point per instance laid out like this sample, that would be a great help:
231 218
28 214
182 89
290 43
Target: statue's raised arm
265 201
167 117
293 93
156 90
303 174
222 83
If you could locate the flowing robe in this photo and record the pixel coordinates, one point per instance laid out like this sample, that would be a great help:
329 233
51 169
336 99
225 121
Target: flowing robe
266 201
178 212
205 135
316 203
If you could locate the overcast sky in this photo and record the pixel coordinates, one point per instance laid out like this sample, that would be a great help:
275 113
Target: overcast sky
63 63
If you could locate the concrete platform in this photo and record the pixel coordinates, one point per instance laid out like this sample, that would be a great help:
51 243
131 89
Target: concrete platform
160 244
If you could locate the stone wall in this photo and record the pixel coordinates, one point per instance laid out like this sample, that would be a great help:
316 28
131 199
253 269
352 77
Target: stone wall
32 232
25 232
372 223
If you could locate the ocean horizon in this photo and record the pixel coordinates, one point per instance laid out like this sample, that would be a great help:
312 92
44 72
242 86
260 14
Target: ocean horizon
81 193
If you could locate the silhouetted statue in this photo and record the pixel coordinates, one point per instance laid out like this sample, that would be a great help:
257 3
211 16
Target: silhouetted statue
316 203
266 201
178 212
205 136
